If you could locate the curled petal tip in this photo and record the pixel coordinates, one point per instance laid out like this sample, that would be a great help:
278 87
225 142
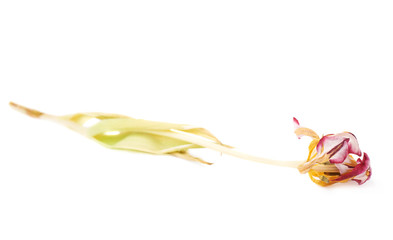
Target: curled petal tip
296 122
302 131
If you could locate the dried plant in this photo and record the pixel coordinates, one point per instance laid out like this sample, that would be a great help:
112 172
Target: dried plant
330 158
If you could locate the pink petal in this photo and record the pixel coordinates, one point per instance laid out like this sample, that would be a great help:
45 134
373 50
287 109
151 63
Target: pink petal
296 123
353 143
328 142
361 178
339 153
358 173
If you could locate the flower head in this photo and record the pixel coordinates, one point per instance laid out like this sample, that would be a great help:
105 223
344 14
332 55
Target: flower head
331 159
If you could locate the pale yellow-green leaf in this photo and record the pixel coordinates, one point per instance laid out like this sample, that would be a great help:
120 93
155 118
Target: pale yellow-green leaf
126 133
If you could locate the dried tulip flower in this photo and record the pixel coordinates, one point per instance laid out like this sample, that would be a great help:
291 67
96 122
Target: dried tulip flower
329 159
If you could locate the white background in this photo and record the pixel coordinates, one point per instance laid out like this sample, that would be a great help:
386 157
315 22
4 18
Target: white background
241 69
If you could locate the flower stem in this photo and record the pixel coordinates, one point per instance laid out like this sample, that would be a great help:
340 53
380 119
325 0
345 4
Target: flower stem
224 149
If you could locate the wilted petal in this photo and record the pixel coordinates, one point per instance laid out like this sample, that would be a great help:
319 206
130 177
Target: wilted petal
362 178
296 123
353 143
339 153
360 173
335 146
302 131
328 142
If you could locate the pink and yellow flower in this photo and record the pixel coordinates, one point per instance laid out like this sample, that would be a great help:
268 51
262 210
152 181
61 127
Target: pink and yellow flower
331 159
